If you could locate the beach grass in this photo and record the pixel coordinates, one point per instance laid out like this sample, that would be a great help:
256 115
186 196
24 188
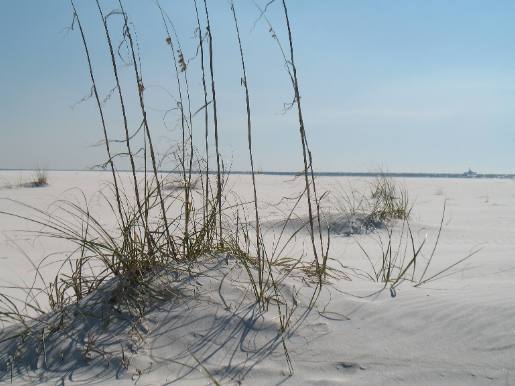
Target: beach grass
160 226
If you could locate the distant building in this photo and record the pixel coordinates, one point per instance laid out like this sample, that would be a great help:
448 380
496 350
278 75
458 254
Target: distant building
470 173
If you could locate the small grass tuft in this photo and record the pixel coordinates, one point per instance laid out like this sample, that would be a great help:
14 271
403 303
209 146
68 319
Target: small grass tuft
390 201
40 178
358 212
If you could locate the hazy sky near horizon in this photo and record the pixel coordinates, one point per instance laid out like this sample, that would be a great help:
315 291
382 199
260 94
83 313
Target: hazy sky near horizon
400 85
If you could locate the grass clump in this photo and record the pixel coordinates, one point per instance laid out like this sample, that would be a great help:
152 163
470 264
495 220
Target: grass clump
40 178
161 227
358 212
389 201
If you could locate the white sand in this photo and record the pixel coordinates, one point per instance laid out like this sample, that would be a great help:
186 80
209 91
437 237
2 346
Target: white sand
457 330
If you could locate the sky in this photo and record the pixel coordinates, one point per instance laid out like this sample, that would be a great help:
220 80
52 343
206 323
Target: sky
403 86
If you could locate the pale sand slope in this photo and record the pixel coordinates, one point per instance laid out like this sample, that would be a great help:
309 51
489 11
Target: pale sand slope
458 330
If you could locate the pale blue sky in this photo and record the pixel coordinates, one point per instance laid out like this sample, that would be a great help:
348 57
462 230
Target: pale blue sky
405 85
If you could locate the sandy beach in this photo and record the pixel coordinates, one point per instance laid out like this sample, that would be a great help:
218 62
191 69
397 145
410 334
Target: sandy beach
456 329
265 192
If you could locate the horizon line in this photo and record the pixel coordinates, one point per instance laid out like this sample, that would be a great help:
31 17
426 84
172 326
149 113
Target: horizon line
468 174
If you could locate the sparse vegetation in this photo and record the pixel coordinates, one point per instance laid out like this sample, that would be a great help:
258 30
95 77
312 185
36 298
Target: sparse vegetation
387 208
402 257
158 232
389 201
167 268
40 178
359 212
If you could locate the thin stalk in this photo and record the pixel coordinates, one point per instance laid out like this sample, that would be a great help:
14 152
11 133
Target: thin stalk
261 263
305 148
215 121
436 243
206 112
185 174
122 104
187 190
139 81
101 112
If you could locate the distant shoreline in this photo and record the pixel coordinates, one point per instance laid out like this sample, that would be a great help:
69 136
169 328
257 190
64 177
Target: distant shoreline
318 174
